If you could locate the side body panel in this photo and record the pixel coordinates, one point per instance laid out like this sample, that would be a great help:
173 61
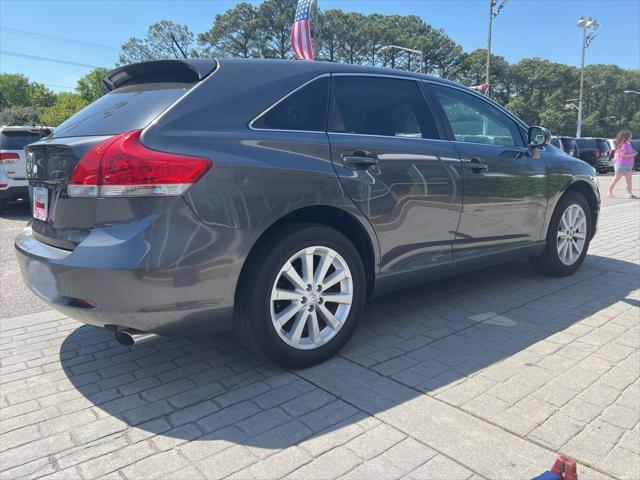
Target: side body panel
412 197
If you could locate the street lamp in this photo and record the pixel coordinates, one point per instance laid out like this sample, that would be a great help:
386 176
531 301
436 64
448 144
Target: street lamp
632 91
589 27
410 50
493 13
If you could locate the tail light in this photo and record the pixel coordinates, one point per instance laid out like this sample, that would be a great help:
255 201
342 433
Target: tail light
597 152
122 166
9 157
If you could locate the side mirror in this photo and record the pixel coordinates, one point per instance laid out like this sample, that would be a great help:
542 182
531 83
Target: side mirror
538 137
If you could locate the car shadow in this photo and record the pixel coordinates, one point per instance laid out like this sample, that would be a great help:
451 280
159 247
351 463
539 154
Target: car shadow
426 338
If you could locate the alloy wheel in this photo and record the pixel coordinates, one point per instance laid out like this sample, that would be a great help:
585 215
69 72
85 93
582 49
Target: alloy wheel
572 234
311 297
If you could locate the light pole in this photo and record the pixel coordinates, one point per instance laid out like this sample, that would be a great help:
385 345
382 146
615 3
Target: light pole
410 50
492 14
632 92
589 27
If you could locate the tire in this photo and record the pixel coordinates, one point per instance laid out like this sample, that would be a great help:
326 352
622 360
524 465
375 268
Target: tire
554 260
3 207
258 310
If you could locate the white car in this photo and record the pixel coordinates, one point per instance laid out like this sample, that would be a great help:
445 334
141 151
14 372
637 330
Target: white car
13 175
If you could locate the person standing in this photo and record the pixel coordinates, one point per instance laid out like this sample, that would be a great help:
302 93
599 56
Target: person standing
623 161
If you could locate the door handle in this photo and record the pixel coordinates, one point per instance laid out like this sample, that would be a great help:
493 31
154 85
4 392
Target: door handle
475 166
360 160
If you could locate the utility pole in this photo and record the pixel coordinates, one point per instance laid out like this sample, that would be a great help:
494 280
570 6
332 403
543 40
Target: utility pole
592 25
487 77
492 14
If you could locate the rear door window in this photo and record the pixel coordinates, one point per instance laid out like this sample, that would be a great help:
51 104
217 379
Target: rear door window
303 110
17 140
122 110
380 106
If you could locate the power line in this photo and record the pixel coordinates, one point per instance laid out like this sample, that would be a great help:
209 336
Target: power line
70 41
45 59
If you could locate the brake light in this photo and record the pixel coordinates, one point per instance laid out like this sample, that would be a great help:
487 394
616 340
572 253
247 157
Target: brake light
597 152
9 157
122 166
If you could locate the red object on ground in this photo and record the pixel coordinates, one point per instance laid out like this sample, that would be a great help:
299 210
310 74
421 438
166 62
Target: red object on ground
565 468
558 466
570 469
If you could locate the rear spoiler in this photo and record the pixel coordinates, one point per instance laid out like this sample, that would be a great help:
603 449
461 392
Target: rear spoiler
159 71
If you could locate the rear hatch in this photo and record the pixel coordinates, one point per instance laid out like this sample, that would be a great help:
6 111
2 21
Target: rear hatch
137 95
12 143
587 149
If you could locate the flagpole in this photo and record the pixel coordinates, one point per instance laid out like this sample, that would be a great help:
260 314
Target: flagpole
316 43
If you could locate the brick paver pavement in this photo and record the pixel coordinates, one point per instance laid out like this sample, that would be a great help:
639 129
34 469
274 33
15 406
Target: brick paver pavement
482 376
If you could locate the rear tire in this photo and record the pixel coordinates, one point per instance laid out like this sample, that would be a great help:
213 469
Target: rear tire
568 237
284 311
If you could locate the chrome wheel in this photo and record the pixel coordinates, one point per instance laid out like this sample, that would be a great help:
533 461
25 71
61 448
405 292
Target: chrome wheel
572 234
311 297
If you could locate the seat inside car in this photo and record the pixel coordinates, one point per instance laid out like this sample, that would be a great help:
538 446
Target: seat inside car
380 122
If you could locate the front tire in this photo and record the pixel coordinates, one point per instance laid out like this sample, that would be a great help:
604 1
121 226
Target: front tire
301 295
568 237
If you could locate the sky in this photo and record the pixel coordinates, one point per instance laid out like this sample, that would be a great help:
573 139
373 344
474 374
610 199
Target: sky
524 28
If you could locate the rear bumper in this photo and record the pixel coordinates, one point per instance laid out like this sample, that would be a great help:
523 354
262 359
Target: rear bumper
14 192
124 278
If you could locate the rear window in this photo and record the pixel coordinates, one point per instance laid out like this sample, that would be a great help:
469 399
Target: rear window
603 145
586 142
122 110
17 140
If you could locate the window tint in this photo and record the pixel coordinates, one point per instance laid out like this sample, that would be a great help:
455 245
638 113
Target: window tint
305 109
474 120
124 109
603 145
380 106
586 142
17 140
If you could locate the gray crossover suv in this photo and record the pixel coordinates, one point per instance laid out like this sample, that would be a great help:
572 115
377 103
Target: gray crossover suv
275 197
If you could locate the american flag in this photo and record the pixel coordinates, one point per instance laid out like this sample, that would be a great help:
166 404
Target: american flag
301 31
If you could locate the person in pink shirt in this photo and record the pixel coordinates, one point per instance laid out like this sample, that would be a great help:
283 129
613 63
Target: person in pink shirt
623 161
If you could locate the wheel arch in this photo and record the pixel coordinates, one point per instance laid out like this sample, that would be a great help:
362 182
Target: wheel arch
585 189
330 216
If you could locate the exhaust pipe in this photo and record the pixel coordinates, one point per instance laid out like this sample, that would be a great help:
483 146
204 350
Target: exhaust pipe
131 336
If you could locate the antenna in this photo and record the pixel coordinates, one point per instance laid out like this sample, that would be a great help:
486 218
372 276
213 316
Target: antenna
177 45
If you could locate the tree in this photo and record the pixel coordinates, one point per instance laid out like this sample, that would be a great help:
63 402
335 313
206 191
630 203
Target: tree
90 86
441 54
19 116
234 33
66 105
16 90
274 28
165 40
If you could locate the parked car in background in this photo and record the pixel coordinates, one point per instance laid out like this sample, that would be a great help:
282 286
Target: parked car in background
274 197
567 144
636 147
595 151
13 177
